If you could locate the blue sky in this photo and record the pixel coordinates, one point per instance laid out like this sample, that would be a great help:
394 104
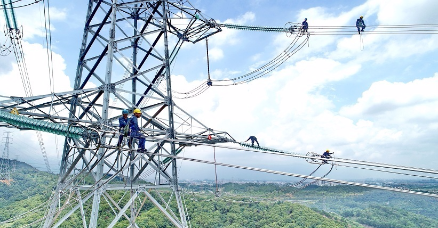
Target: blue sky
379 103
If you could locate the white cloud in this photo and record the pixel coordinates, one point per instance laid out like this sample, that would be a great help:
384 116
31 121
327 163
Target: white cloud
383 97
215 54
393 12
37 68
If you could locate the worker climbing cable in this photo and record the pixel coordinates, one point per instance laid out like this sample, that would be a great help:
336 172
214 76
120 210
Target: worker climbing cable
326 154
253 138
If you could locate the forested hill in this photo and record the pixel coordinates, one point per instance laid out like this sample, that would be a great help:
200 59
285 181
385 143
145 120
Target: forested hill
26 182
31 188
239 205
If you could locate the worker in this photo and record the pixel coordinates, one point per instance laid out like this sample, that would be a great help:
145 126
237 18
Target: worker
123 123
253 138
326 154
136 131
360 24
304 26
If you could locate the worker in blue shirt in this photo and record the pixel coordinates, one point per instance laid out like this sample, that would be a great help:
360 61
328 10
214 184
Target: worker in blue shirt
136 131
123 121
360 24
304 26
253 138
326 154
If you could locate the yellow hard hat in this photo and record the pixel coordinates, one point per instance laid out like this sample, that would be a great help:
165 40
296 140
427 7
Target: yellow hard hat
327 150
14 111
361 16
137 111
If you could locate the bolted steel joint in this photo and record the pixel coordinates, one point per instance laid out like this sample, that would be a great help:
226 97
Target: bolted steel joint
110 87
167 100
18 99
170 133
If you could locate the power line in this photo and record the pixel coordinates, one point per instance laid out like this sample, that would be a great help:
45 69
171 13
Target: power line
14 7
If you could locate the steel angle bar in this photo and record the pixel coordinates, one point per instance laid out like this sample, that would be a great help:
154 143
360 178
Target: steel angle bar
34 98
150 49
133 2
150 86
147 116
156 203
84 222
72 165
155 7
94 35
130 38
138 74
185 10
150 53
139 94
183 123
66 216
193 118
155 114
152 163
121 212
143 38
158 169
122 100
91 71
112 187
91 16
154 89
152 106
140 171
95 115
167 203
47 104
91 104
99 36
141 73
115 204
92 58
111 206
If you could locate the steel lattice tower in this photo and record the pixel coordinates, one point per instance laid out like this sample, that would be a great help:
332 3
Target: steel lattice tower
124 63
6 165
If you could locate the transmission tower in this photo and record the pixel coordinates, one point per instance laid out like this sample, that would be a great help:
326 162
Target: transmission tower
127 50
15 36
6 165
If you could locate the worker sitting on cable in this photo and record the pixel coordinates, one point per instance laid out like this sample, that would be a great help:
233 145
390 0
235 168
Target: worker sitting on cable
304 26
123 126
326 154
253 138
360 24
136 131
